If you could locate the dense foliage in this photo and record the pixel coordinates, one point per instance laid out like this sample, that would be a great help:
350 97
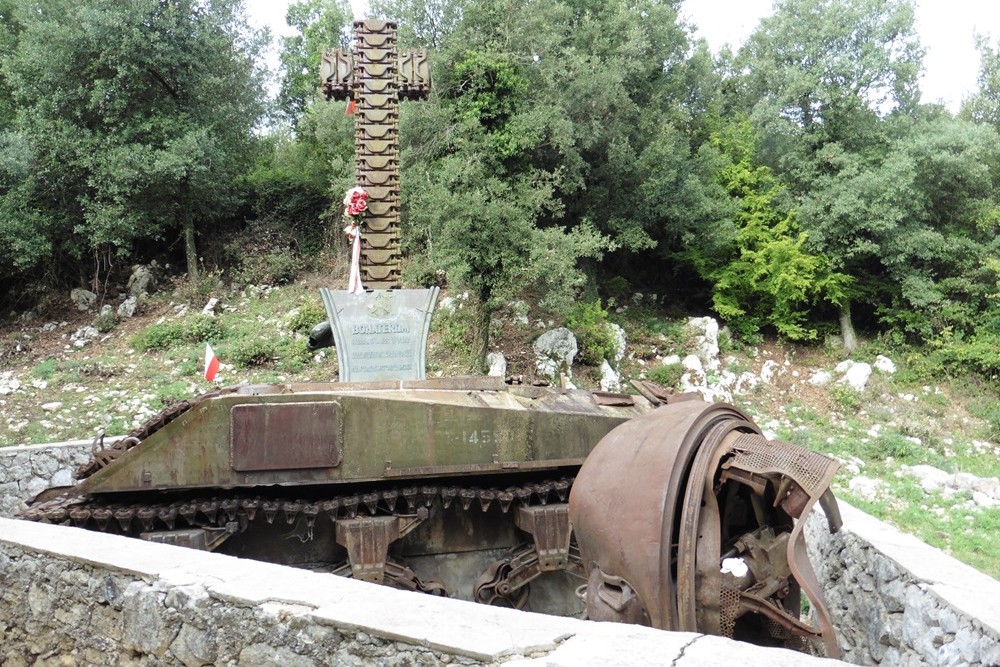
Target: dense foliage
571 149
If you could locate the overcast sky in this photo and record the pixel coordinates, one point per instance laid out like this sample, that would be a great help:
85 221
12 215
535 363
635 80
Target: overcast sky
946 27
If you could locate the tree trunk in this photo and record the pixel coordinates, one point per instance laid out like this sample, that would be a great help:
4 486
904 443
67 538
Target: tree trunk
483 336
847 328
190 249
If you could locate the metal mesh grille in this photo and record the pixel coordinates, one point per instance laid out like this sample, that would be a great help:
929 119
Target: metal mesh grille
755 453
729 609
791 640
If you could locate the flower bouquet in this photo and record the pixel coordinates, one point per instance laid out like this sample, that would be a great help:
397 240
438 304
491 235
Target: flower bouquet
355 205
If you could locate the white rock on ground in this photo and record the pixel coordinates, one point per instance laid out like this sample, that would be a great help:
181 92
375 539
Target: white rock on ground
519 309
693 363
985 490
769 371
885 365
84 299
497 363
128 307
856 376
820 378
84 335
610 380
211 307
142 280
707 340
865 487
554 352
8 383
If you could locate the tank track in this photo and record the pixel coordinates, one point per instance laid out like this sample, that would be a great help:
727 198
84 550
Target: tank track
504 583
217 511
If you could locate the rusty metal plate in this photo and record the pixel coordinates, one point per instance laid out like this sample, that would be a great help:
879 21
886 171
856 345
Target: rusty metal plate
284 436
609 398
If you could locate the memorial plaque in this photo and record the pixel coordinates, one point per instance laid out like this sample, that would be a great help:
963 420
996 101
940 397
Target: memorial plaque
381 334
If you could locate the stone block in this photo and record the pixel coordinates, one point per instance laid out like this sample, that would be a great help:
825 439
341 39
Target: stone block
194 647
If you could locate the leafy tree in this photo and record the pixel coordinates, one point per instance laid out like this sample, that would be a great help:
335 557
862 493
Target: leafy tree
422 23
474 204
916 227
820 78
984 105
321 25
134 122
599 105
768 275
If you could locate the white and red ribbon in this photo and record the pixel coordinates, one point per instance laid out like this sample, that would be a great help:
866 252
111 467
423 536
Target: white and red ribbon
354 285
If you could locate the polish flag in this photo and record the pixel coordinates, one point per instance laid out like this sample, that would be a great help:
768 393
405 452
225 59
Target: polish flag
211 363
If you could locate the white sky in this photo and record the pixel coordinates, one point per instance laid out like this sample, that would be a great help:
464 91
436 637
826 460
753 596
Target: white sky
946 29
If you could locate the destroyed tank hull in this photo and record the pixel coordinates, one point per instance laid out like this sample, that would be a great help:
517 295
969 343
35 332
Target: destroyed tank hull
472 488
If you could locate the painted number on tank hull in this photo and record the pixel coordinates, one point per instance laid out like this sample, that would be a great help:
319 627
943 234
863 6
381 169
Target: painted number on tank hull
481 437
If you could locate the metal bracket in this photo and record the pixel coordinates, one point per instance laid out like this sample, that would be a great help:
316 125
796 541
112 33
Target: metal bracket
367 541
549 525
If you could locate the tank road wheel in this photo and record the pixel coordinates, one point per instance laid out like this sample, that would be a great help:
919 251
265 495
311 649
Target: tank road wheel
689 519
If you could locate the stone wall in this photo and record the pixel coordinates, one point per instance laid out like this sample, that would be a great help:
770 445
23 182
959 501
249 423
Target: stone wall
26 471
896 601
72 597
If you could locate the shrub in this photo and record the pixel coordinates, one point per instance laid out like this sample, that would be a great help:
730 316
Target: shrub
846 398
251 352
589 322
106 321
276 267
45 369
203 328
668 375
305 317
159 337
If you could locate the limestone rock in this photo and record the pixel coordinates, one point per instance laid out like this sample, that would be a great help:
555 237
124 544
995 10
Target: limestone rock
142 280
885 365
84 299
8 383
194 647
769 371
856 375
519 310
865 487
707 340
262 655
84 335
610 380
211 308
497 363
554 352
692 362
128 307
820 378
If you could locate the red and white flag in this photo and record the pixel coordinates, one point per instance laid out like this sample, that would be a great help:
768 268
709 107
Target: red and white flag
211 363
